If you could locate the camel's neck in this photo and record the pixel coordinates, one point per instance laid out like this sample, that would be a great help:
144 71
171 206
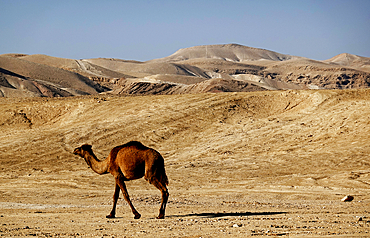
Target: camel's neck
100 167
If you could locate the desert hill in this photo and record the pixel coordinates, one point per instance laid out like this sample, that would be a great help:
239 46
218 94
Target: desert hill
317 74
21 77
147 68
267 163
350 60
79 66
214 85
199 69
228 52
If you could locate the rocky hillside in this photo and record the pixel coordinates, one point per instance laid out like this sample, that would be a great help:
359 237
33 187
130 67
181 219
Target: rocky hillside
317 75
199 69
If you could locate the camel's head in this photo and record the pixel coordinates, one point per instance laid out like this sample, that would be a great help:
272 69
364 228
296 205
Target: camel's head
79 150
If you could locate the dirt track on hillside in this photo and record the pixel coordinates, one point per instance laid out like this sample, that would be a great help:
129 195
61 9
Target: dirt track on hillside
271 163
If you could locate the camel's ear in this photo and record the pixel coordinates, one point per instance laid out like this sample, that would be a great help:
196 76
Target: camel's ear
76 151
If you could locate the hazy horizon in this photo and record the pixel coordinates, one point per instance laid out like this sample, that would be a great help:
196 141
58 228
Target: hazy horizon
145 30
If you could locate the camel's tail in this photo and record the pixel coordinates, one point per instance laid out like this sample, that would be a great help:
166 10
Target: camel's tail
164 178
160 172
156 170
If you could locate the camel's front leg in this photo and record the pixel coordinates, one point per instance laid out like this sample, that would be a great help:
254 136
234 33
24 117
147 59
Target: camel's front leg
115 199
122 185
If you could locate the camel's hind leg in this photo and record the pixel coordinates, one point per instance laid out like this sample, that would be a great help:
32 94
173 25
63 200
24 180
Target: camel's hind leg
115 199
162 187
122 185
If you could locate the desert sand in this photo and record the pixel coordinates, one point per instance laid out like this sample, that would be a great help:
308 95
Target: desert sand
270 163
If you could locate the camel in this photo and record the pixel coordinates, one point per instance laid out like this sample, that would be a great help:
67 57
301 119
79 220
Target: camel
127 162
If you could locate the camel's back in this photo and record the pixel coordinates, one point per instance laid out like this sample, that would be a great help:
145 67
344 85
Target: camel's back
133 157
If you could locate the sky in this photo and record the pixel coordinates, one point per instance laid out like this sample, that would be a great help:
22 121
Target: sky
144 30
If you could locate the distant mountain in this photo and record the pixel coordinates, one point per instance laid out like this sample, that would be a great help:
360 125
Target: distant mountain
198 69
353 61
228 52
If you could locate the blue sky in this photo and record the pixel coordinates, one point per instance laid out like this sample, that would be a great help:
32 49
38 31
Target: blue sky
144 30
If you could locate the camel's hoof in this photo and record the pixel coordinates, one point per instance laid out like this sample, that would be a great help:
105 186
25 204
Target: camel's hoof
110 216
161 216
137 216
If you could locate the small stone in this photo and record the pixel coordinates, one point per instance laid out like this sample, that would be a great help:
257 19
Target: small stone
347 198
236 225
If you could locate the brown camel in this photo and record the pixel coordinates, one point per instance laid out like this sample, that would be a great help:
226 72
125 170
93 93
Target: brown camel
128 162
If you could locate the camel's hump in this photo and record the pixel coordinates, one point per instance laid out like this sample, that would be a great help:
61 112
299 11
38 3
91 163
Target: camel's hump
137 144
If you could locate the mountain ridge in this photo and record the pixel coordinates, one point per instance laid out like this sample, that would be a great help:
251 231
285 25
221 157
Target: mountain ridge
228 52
197 69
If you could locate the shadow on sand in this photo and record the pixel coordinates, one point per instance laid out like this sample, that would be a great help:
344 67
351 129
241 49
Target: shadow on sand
227 214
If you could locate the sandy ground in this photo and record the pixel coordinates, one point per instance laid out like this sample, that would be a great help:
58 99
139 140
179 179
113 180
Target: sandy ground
271 163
